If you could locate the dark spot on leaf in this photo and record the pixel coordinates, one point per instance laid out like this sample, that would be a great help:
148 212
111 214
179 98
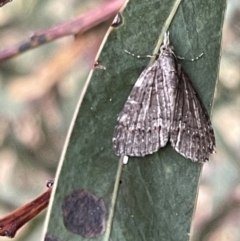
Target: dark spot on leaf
50 237
84 214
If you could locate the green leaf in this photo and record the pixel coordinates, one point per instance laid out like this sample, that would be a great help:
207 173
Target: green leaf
157 193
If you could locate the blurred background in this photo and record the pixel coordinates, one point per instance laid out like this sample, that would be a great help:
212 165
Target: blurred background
37 102
34 123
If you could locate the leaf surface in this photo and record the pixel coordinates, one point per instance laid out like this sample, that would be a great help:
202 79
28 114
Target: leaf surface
157 193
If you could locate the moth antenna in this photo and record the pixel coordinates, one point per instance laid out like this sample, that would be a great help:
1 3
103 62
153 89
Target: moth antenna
140 56
196 58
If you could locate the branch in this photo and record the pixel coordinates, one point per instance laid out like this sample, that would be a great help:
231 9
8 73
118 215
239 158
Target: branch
3 2
10 224
73 27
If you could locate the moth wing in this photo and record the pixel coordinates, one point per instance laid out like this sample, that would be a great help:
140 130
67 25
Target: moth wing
143 127
191 132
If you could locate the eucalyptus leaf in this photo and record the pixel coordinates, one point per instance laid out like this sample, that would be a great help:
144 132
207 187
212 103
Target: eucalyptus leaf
156 193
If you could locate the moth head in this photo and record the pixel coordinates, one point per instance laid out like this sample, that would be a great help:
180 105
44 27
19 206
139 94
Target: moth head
166 48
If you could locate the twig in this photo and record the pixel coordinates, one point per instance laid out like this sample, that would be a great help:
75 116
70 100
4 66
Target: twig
3 2
73 27
10 224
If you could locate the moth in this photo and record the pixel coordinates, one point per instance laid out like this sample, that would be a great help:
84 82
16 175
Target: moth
164 107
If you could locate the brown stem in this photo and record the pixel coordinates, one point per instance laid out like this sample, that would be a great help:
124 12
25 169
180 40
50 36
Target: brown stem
10 224
3 2
75 26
